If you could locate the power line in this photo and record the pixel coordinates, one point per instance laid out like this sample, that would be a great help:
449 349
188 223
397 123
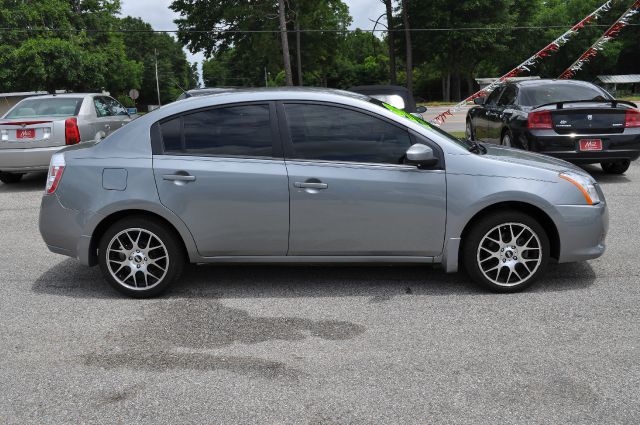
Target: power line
330 30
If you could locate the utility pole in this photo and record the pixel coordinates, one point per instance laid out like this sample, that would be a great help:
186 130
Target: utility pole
157 79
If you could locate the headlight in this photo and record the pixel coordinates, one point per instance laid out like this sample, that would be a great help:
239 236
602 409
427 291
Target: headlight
585 184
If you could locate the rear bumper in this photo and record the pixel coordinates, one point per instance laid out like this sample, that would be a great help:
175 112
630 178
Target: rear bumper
26 160
61 231
615 147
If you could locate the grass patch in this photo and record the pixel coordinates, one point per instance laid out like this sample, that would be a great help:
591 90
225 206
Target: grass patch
458 134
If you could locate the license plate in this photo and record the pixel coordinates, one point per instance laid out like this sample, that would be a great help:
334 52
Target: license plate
590 145
26 133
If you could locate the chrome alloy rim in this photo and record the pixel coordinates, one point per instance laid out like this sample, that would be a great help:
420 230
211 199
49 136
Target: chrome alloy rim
506 141
137 259
509 254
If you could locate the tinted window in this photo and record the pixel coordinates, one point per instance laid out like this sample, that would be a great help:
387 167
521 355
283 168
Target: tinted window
493 97
233 131
337 134
558 92
508 96
51 107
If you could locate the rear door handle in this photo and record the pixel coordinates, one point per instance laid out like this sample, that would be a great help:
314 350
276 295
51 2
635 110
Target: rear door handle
179 178
310 185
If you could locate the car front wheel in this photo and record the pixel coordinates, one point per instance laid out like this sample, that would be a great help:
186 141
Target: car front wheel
506 252
10 178
140 257
618 167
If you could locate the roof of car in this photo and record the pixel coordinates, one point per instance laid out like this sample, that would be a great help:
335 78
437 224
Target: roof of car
534 83
65 95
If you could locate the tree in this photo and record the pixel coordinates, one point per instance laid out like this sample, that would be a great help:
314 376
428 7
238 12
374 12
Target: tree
286 59
391 41
408 44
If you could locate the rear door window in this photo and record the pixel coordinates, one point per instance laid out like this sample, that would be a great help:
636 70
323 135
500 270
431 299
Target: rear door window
102 107
115 107
508 96
495 94
332 133
236 131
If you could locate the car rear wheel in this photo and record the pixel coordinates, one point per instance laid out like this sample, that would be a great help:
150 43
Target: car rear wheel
506 252
469 131
507 139
618 167
10 178
139 257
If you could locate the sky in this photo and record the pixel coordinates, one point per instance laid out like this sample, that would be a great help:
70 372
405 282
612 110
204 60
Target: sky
158 14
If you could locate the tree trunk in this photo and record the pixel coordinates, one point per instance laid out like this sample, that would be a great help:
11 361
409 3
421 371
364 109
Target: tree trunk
446 87
298 52
407 36
470 86
391 39
285 44
458 91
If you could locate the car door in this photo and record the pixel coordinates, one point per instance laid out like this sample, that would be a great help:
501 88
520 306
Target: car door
501 111
104 120
351 193
492 114
219 171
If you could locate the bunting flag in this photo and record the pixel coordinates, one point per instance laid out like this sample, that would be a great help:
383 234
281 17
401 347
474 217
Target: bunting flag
526 66
598 46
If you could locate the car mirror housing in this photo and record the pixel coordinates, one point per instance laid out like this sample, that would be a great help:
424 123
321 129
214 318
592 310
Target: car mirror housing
421 156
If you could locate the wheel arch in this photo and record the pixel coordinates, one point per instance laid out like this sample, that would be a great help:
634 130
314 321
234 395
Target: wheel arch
533 211
114 217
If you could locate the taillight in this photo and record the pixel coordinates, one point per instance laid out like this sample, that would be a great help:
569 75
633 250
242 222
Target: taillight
56 168
632 118
541 119
71 131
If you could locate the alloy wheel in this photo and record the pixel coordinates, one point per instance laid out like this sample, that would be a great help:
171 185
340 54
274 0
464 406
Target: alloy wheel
509 254
137 259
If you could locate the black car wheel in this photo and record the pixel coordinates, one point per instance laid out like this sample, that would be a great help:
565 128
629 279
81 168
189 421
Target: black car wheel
469 131
10 178
618 167
507 139
140 257
506 252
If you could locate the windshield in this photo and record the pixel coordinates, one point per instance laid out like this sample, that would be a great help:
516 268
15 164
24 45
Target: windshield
465 144
49 107
554 93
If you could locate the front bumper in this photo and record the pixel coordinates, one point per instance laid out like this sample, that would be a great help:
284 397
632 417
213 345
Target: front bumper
26 160
582 230
615 147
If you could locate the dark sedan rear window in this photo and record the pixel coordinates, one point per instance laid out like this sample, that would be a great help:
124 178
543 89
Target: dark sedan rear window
553 93
56 107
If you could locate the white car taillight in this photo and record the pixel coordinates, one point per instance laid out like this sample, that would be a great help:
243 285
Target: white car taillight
56 168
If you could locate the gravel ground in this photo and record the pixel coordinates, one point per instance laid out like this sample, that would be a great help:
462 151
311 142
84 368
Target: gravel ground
318 345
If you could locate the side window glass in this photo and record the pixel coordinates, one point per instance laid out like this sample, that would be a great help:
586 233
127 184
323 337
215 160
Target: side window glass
115 107
493 97
337 134
102 109
508 96
231 131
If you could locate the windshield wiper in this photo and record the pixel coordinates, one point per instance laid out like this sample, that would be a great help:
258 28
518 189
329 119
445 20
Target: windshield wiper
476 147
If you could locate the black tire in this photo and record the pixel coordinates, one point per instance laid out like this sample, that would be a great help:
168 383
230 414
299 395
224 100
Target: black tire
506 135
469 133
10 178
528 268
618 167
151 279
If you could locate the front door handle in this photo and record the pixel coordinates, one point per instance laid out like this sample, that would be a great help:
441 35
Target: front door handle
310 185
179 177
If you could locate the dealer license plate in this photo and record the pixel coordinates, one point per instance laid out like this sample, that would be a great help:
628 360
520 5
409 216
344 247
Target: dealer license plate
591 145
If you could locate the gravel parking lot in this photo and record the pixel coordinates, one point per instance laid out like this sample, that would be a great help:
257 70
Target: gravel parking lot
319 345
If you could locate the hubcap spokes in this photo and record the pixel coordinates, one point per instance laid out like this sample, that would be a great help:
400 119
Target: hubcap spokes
509 254
137 259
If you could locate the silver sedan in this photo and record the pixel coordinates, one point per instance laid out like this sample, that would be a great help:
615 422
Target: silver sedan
312 176
37 127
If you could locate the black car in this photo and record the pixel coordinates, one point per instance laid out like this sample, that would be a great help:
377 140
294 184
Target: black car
572 120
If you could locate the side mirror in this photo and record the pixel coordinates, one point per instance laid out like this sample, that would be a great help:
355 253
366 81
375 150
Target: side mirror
479 100
421 155
421 109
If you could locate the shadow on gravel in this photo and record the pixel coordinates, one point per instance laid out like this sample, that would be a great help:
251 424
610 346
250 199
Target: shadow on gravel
603 178
382 283
30 183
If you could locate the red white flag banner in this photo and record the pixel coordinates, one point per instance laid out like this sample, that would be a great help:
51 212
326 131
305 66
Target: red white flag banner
598 46
551 48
